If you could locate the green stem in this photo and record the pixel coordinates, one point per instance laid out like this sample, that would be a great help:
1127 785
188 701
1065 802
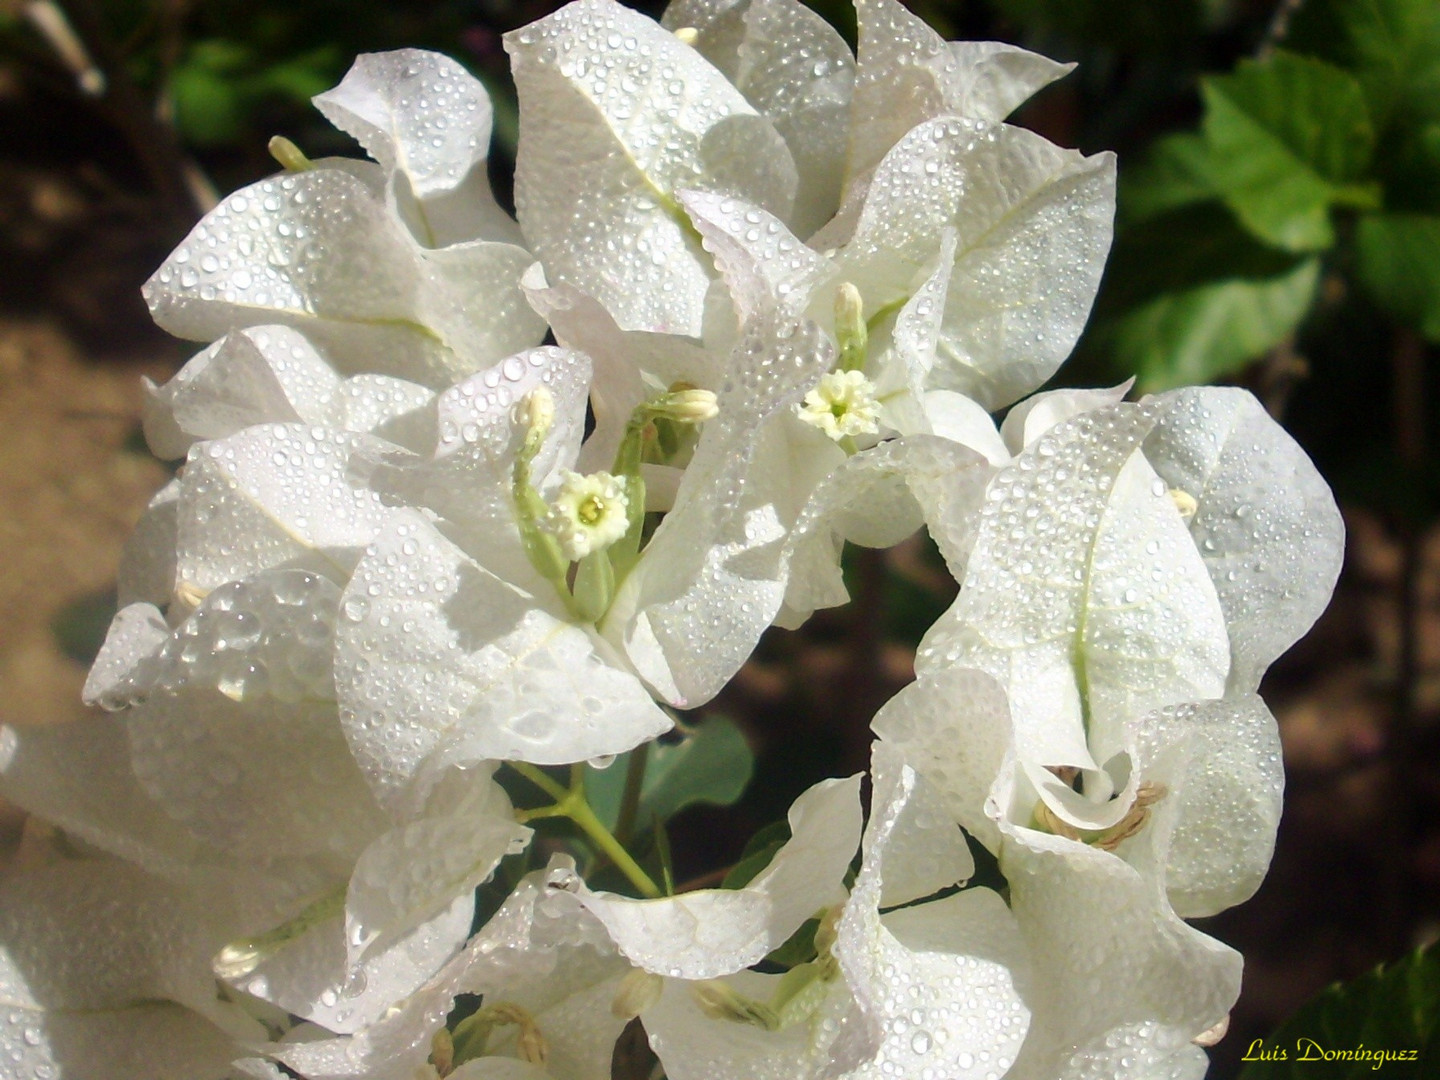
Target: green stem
571 803
537 777
594 828
630 800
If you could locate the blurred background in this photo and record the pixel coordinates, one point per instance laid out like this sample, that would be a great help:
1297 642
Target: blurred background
1279 228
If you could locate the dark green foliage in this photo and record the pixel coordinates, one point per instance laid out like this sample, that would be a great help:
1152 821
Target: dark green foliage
1394 1009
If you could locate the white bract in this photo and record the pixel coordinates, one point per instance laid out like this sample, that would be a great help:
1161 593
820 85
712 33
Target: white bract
547 976
274 375
237 770
905 981
1080 710
379 265
655 181
713 932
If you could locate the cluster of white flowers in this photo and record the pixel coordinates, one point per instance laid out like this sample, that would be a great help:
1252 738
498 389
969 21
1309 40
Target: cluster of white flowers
410 545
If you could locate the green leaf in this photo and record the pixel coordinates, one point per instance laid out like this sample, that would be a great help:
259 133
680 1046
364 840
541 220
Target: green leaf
711 764
1199 244
1204 333
1176 172
1399 265
757 854
798 948
1393 46
1391 1009
1289 138
1189 296
208 109
299 78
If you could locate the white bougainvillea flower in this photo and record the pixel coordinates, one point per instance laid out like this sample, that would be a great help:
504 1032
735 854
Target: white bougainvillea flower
1093 592
503 660
617 115
941 982
932 983
234 734
713 932
976 257
453 647
98 974
932 107
272 375
346 251
1120 986
839 113
1080 695
427 121
547 976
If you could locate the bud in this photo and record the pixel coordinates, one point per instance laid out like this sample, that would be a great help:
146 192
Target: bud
241 957
539 414
688 406
638 991
290 157
851 332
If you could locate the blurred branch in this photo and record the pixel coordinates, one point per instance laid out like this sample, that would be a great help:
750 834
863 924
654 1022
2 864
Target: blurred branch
52 25
75 30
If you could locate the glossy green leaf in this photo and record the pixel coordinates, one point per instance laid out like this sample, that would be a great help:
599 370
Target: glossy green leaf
1289 139
1393 1010
1190 296
1203 333
711 766
1399 266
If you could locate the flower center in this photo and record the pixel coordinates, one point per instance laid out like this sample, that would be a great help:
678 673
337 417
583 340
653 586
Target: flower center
591 510
1146 796
842 405
588 514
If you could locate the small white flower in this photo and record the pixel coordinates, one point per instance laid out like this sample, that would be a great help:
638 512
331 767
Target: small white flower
588 514
843 404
